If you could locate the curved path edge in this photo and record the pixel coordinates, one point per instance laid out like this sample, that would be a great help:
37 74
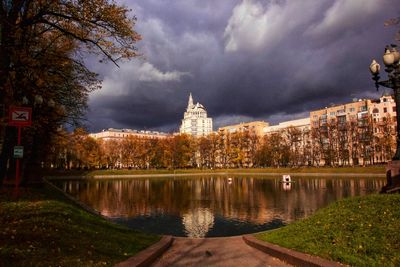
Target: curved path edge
290 256
149 255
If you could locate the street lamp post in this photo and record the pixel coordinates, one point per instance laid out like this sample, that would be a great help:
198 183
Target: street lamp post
391 59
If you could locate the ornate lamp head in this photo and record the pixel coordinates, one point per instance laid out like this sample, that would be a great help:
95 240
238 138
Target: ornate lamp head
388 57
374 67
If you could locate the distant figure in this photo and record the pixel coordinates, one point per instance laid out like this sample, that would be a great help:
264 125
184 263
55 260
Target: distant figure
286 178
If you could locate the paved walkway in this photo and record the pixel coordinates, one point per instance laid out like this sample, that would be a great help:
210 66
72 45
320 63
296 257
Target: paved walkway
231 251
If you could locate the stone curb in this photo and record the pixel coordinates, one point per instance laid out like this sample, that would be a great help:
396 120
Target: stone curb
148 256
290 256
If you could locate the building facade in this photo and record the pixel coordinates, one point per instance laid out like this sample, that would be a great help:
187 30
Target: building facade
256 127
195 121
384 121
119 134
300 124
296 134
357 133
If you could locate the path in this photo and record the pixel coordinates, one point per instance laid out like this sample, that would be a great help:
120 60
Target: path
226 251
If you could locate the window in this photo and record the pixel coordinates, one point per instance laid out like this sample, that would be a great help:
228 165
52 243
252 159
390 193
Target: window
341 119
352 109
394 109
384 110
375 110
332 113
363 108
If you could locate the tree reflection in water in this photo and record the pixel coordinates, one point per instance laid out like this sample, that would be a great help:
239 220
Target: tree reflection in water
212 205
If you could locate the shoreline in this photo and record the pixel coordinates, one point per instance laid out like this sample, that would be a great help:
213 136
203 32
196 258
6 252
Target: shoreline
161 175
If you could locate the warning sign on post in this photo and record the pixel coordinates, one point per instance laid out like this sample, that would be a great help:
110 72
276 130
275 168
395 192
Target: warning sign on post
20 116
18 152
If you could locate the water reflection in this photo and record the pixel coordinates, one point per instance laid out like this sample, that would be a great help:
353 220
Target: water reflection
213 206
198 222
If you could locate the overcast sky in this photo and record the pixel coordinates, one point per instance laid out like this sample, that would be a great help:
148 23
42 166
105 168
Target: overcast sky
244 60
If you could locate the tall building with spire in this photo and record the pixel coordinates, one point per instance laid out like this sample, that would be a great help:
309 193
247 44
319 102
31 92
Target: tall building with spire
195 120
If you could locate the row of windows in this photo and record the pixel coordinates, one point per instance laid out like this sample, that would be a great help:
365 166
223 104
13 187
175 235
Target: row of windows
394 119
363 108
341 111
385 110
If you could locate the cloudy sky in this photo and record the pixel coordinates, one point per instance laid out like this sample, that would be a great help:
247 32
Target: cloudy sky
244 60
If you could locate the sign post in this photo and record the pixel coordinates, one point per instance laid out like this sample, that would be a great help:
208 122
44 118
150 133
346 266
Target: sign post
19 117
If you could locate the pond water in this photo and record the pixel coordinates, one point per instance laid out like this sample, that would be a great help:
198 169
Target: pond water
209 206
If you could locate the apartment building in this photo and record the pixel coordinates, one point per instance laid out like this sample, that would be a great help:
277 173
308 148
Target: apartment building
359 132
119 134
301 124
384 121
296 133
256 127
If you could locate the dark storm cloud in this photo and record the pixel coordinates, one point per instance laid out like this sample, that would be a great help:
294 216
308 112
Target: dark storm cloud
243 60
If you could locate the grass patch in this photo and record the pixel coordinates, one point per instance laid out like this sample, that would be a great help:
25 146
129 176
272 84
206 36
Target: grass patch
366 170
42 228
360 231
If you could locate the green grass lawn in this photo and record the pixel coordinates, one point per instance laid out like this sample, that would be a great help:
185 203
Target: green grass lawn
42 228
367 170
360 231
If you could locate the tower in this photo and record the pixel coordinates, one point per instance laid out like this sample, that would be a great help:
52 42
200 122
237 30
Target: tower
195 120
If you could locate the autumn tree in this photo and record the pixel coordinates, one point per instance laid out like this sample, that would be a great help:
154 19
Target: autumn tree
40 65
235 151
213 149
128 152
263 155
154 153
252 142
57 156
112 153
388 137
205 150
365 138
318 136
293 135
274 151
224 149
343 152
179 152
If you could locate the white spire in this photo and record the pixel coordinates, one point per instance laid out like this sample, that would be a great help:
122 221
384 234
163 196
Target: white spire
190 103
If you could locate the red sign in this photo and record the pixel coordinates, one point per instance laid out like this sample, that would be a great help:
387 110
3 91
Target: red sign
20 116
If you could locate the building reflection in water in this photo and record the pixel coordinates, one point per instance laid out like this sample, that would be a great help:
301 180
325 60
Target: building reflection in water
247 204
287 186
198 222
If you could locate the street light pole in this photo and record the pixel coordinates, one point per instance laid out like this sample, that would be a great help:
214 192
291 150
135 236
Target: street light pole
391 59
